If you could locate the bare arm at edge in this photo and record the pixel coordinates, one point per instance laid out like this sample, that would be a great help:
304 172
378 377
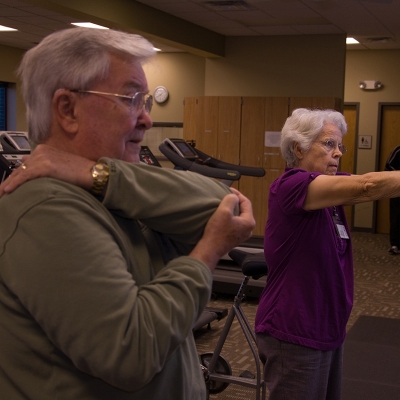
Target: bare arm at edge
327 191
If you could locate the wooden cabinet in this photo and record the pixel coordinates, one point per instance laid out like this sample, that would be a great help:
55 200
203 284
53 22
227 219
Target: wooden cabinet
236 130
228 133
214 124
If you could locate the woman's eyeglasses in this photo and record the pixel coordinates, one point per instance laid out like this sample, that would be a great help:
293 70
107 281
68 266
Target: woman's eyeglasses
331 145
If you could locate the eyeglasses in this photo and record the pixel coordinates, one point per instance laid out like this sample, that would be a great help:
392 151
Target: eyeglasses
331 145
136 103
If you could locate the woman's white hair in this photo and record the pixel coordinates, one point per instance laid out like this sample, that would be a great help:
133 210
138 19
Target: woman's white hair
71 59
303 127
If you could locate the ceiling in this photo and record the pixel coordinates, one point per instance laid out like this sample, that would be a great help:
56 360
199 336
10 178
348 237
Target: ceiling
374 23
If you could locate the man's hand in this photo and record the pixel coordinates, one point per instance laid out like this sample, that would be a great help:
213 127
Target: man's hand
46 161
225 230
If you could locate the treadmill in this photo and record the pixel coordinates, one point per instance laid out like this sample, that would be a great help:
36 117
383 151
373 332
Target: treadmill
227 276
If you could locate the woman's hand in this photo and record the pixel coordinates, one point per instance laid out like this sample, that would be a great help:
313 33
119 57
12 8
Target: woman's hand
46 161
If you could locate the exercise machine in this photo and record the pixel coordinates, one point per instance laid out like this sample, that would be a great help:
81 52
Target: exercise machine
13 146
146 156
249 259
216 369
227 275
184 156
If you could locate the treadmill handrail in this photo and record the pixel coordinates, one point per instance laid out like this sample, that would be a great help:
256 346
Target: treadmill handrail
244 170
210 166
189 165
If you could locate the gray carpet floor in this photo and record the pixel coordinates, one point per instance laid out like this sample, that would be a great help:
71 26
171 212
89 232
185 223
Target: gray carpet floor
377 293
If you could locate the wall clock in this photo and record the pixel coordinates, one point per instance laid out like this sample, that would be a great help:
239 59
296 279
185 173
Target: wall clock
161 94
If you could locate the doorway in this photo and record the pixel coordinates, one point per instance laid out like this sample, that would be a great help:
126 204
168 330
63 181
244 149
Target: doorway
388 139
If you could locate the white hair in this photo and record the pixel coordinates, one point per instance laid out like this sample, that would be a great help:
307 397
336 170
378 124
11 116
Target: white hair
71 59
303 127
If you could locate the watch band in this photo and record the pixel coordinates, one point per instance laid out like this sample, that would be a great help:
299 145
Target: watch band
100 173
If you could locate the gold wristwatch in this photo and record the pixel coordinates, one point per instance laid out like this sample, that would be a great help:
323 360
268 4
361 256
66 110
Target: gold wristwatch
100 173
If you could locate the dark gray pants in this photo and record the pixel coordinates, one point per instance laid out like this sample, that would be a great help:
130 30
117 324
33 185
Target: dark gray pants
293 372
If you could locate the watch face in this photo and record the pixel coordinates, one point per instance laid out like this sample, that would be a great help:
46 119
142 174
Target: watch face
160 94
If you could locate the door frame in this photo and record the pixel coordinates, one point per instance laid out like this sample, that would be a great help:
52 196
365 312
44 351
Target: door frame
355 152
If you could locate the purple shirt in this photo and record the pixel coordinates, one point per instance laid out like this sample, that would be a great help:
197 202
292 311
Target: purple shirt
308 296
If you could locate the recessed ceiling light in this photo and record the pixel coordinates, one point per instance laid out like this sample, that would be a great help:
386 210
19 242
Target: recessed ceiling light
89 25
351 40
6 28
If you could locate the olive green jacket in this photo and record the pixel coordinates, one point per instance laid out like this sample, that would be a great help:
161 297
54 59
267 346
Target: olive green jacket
94 301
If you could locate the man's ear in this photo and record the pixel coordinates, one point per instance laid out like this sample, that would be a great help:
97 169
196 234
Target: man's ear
298 151
64 106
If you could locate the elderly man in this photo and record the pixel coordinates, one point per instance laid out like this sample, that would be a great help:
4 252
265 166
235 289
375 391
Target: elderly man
105 264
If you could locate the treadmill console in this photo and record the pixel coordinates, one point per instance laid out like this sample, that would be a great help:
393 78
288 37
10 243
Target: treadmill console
13 146
15 140
183 148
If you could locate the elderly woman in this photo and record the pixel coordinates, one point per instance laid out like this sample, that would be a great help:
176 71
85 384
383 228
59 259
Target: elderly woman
304 308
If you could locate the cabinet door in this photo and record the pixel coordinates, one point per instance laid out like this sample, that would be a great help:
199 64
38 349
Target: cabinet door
207 128
189 118
276 112
251 154
229 117
252 131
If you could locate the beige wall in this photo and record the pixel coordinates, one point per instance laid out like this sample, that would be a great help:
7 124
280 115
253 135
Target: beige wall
253 66
183 75
281 69
310 65
382 65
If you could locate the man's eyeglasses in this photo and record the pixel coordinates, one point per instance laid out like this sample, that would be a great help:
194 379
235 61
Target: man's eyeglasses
331 145
136 103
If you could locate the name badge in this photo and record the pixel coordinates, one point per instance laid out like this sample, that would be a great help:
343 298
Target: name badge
340 228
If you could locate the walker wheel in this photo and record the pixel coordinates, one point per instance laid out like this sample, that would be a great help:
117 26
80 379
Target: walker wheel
221 367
